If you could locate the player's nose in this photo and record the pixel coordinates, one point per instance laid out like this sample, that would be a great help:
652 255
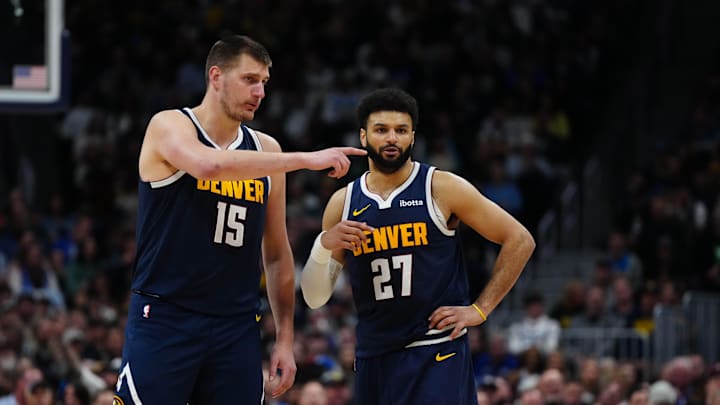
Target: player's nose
392 136
258 91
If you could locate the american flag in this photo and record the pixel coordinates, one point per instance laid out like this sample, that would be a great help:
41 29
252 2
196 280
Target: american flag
29 77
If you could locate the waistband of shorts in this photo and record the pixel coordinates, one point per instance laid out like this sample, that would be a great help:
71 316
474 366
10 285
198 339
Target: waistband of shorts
435 336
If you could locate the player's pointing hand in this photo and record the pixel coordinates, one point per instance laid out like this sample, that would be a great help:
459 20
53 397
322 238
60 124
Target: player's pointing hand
335 158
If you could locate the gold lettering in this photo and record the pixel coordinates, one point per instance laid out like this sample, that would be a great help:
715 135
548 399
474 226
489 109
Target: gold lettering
380 238
420 231
226 188
214 186
260 191
392 233
203 185
405 234
366 244
250 190
238 188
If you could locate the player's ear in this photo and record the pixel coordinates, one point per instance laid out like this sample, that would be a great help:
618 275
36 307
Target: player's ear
214 77
363 137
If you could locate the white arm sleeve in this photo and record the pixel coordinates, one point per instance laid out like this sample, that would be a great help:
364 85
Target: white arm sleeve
319 275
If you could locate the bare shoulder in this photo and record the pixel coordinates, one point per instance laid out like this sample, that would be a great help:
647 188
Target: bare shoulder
169 121
446 183
269 144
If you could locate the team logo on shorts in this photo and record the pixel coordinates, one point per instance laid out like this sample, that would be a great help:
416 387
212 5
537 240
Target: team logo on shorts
117 400
146 311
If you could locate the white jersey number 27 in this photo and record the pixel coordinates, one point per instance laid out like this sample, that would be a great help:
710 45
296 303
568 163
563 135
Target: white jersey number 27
381 280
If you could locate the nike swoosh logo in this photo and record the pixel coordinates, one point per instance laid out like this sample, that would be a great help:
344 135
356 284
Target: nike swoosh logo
357 212
258 317
440 358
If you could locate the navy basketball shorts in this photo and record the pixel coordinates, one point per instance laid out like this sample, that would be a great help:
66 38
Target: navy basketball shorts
173 356
432 375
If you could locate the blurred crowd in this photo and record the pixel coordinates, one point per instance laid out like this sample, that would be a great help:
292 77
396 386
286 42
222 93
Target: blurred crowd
506 89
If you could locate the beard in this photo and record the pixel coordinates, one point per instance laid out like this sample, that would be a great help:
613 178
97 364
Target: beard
240 116
388 166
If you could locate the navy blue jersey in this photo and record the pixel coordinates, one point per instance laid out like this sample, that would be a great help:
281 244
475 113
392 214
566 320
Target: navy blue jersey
199 241
409 265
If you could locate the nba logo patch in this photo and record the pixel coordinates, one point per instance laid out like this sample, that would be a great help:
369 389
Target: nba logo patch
146 311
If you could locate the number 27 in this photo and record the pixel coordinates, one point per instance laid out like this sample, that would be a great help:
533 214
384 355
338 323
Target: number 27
381 266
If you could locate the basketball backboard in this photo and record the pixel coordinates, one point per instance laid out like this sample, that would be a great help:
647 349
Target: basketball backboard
33 55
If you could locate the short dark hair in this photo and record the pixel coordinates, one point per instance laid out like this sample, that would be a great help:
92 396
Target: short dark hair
225 52
387 99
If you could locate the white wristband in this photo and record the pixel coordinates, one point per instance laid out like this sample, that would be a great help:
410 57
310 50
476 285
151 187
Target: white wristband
318 251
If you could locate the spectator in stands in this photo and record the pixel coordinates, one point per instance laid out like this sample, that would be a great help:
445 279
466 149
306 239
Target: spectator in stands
680 374
496 361
103 397
572 303
589 379
21 392
644 322
32 276
536 329
76 394
662 393
572 394
595 315
623 306
552 386
623 260
639 397
531 397
313 393
611 395
501 189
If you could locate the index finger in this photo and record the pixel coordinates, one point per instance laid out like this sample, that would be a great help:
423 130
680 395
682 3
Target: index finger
286 381
360 225
349 150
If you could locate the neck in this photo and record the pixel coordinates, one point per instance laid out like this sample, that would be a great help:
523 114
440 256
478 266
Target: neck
222 129
384 183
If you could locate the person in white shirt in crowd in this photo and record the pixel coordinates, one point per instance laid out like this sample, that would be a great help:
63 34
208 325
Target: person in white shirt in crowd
536 329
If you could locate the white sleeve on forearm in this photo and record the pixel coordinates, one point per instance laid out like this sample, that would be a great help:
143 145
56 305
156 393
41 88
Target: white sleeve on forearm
319 275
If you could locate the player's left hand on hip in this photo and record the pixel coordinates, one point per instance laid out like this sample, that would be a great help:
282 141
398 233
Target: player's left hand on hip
458 317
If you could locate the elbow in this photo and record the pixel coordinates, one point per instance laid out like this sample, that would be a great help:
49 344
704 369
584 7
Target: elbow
530 241
313 299
314 296
313 303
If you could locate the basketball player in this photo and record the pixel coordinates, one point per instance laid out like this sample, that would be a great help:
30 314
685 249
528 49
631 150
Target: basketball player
211 208
394 230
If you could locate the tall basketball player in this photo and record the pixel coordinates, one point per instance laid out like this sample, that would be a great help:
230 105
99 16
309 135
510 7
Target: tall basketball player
211 210
394 231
